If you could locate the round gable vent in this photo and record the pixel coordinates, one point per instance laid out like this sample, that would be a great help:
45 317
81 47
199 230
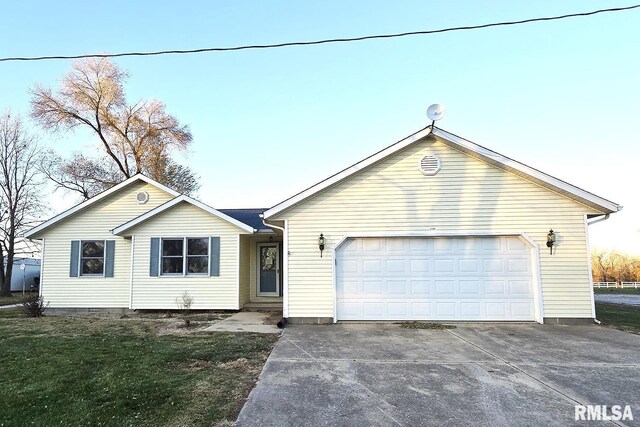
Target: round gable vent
430 164
142 197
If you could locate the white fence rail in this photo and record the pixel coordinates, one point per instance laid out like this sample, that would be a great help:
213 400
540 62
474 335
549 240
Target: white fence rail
623 285
605 284
634 285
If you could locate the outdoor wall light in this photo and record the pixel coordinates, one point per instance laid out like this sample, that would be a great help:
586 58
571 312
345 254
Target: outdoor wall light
551 239
321 243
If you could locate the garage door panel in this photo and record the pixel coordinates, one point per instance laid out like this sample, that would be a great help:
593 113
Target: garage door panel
520 287
468 266
397 287
472 278
445 287
469 287
492 265
471 309
396 266
372 288
419 288
420 245
518 265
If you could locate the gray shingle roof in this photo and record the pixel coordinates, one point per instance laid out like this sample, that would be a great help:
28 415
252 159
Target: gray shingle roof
251 217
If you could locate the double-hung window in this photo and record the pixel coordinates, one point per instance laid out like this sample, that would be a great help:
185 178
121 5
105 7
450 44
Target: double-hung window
92 258
185 256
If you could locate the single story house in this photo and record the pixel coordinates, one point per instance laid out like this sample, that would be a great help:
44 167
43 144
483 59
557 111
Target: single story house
433 227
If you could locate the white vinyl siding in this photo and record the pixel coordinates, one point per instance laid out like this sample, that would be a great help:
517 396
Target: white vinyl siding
94 223
467 195
243 269
208 292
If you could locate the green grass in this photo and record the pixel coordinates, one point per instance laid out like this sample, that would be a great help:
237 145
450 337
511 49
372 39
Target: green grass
96 370
624 317
15 298
625 291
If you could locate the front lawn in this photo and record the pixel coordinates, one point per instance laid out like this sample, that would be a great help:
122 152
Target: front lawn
101 370
625 291
15 298
624 317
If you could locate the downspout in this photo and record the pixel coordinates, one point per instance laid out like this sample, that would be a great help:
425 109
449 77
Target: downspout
283 322
602 218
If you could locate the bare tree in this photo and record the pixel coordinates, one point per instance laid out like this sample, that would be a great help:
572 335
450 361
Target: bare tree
139 138
612 266
20 191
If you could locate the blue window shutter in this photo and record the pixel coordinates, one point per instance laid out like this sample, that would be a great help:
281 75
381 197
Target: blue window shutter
109 254
75 258
154 268
214 256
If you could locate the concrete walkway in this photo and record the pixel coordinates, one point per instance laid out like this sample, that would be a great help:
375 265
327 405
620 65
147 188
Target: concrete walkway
474 375
618 299
245 321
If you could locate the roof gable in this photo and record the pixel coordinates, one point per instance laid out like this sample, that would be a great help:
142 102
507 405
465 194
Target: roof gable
92 201
129 225
462 145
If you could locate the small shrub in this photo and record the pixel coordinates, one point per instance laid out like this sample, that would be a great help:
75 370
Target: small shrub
33 305
184 305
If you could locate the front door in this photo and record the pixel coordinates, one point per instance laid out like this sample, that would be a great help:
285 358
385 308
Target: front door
268 269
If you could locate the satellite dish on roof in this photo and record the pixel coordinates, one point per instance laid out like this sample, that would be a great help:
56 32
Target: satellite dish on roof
435 112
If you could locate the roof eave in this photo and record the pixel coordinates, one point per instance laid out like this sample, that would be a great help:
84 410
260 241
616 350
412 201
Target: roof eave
564 188
33 232
122 229
527 172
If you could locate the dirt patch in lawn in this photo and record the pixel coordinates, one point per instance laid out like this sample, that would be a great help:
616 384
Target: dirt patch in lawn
273 317
425 325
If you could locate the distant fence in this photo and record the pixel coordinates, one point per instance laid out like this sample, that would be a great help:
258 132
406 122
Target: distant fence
622 285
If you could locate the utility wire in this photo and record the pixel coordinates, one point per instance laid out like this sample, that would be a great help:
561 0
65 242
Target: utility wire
325 41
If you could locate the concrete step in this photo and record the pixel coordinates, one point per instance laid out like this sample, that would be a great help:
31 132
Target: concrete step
262 306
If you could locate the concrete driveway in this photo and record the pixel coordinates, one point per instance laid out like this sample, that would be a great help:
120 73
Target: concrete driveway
373 374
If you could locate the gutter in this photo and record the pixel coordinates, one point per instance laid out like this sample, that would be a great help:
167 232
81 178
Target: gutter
271 225
604 218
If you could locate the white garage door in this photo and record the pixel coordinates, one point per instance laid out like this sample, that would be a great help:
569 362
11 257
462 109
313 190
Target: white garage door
461 278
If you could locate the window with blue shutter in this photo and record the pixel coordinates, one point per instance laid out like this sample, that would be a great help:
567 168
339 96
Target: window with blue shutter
214 259
154 257
75 258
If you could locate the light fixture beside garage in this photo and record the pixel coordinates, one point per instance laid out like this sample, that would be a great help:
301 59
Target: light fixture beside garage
551 240
321 242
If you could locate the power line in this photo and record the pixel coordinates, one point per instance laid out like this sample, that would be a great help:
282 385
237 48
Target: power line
325 41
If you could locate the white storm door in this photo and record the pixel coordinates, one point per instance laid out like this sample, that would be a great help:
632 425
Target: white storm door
268 276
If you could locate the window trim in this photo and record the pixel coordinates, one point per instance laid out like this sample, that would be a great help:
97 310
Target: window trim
185 256
104 258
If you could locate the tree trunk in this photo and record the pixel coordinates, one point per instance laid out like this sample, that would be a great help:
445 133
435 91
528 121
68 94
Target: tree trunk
9 270
5 287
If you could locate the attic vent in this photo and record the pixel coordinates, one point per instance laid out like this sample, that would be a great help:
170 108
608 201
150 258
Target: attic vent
142 197
430 164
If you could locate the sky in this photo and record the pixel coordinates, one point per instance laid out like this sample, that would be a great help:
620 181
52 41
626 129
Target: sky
560 96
